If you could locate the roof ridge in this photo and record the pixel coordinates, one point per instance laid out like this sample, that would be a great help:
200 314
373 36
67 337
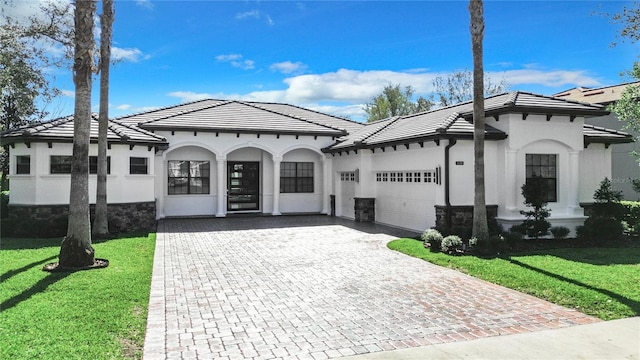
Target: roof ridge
587 89
290 115
392 120
315 111
223 102
45 125
165 108
114 125
600 128
448 122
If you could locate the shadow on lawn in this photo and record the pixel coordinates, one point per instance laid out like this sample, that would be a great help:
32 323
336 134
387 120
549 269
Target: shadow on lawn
11 273
632 304
39 243
38 287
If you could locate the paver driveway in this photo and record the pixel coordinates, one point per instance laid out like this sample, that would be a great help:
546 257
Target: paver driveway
314 287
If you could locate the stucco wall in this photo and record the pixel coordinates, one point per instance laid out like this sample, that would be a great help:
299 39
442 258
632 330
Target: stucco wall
225 147
623 165
41 187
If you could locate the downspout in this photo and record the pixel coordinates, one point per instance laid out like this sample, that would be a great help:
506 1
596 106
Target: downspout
447 198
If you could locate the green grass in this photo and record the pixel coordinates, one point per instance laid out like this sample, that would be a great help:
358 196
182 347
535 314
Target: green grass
602 282
94 314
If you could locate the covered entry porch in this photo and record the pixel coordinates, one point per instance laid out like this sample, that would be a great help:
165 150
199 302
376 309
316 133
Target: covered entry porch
201 181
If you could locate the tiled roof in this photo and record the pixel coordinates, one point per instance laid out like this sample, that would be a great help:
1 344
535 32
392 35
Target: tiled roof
601 95
62 130
241 116
596 134
455 121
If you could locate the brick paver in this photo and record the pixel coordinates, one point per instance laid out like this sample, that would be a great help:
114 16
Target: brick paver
315 287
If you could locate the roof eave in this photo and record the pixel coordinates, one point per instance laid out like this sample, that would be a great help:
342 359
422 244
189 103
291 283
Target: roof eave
414 140
335 133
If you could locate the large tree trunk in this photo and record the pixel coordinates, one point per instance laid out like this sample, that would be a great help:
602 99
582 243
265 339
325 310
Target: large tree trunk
480 228
100 222
76 249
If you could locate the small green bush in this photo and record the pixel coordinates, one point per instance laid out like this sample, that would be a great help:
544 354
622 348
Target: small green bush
513 238
631 216
605 222
490 246
4 204
535 224
432 239
451 244
559 232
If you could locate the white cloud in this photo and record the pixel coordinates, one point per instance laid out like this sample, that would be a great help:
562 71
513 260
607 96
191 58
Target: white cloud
270 20
22 10
68 93
147 4
255 14
343 92
236 61
130 54
288 67
189 96
228 57
123 107
248 14
554 78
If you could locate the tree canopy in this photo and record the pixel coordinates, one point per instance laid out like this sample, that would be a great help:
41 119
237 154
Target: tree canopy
457 87
395 101
627 108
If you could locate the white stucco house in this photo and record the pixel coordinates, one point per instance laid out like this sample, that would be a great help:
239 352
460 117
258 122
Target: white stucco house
624 166
221 157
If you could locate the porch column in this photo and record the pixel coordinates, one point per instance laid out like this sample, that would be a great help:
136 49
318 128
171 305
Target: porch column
511 177
221 186
276 185
573 190
326 183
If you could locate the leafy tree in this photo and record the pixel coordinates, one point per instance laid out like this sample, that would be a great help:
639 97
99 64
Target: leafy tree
629 18
394 101
535 192
100 222
76 249
23 79
480 228
457 87
628 107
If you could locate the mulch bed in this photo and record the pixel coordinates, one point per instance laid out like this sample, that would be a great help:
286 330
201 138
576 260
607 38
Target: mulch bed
55 267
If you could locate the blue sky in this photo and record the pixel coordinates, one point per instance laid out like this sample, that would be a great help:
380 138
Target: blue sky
334 56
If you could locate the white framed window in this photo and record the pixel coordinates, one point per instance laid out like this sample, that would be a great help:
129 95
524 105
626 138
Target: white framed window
23 164
138 165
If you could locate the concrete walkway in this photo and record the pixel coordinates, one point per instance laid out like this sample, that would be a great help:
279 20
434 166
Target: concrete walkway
316 287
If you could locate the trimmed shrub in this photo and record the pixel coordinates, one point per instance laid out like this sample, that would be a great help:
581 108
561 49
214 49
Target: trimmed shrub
4 204
432 239
559 232
631 216
451 244
492 245
512 238
605 222
535 191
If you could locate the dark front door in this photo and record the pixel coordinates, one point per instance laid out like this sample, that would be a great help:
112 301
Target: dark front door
244 185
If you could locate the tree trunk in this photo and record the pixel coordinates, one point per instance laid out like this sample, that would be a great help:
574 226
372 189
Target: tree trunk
100 222
480 228
76 249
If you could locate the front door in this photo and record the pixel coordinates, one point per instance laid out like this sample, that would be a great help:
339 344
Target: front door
244 186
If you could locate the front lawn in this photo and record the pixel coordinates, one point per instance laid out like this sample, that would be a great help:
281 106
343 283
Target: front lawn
602 282
94 314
